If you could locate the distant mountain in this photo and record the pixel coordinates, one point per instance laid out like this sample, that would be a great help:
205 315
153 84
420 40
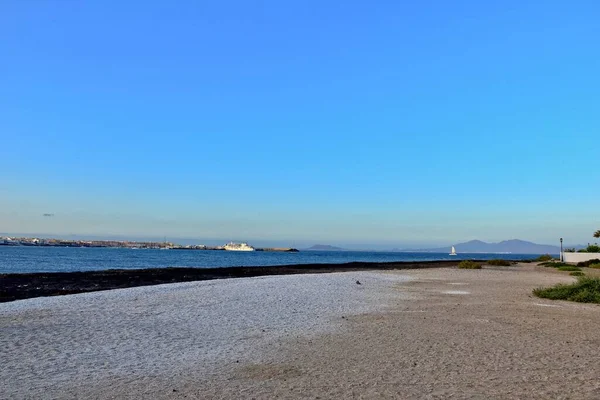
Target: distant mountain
324 247
515 246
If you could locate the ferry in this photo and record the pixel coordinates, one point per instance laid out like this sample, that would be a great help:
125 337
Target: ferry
238 247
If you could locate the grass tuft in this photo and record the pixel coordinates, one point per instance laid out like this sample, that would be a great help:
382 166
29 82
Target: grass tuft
545 257
569 268
597 266
577 273
467 264
555 264
585 290
500 263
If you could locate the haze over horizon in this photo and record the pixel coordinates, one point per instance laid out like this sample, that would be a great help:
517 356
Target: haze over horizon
301 122
300 244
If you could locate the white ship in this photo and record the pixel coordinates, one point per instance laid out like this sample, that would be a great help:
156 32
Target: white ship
453 252
238 247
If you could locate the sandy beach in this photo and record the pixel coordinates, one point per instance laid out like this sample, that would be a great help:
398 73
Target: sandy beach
432 333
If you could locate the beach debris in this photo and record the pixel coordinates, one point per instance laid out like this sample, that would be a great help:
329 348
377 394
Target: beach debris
358 283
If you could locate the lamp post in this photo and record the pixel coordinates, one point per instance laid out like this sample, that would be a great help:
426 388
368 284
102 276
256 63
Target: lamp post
561 251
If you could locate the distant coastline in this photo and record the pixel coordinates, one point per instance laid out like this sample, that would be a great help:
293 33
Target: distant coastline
120 244
513 246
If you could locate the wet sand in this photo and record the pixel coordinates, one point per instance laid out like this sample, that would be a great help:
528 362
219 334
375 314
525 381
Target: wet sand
429 333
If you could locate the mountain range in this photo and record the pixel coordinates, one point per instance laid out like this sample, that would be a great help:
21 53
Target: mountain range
515 246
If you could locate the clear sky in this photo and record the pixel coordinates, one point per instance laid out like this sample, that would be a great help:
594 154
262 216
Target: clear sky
341 122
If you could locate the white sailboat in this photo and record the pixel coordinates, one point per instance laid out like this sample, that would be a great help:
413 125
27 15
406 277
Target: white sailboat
453 252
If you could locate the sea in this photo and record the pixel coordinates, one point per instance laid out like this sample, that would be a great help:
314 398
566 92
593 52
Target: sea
23 259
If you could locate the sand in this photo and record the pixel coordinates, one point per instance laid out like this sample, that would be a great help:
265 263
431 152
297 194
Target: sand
435 333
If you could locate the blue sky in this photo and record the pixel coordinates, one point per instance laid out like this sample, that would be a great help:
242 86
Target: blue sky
299 122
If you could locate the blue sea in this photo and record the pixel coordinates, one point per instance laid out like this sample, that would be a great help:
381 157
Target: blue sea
68 259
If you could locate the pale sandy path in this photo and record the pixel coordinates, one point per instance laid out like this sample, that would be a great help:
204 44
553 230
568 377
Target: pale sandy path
447 333
469 334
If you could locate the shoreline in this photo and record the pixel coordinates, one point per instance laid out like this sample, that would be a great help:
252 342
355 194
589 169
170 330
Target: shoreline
20 286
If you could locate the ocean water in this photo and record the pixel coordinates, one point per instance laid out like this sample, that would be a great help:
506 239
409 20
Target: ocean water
67 259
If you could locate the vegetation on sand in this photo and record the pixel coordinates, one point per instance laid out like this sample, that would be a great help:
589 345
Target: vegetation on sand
585 290
569 268
467 264
577 273
500 263
545 257
554 264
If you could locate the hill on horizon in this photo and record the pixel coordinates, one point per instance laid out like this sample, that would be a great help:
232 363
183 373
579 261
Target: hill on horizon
515 246
324 247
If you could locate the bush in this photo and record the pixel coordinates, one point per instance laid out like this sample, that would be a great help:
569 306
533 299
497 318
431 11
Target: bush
585 290
596 266
466 264
570 250
593 248
577 273
554 264
569 268
545 257
500 263
582 251
588 262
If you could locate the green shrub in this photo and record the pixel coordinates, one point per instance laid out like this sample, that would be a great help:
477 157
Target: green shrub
588 262
569 268
467 264
570 250
585 290
577 273
554 264
582 251
500 263
596 266
545 257
593 248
